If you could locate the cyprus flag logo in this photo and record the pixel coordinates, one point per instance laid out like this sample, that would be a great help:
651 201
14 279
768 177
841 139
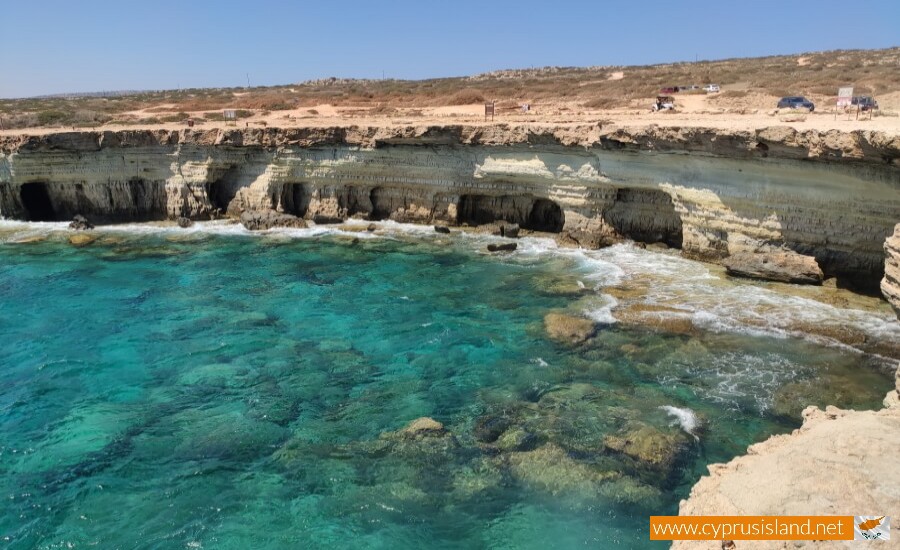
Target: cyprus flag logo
871 528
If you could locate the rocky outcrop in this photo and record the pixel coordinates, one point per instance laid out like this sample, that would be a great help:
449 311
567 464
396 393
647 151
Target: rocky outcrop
261 220
503 247
839 462
568 329
833 196
780 265
80 223
890 285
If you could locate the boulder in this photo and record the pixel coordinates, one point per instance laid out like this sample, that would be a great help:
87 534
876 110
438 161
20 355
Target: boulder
184 222
371 227
568 329
509 230
505 247
648 446
80 223
781 265
421 427
441 229
261 220
81 239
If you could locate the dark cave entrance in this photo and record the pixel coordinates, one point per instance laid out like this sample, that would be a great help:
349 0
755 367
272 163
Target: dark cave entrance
647 216
529 212
36 202
295 199
545 215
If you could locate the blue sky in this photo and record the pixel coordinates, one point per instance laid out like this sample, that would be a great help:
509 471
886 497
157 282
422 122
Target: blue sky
52 46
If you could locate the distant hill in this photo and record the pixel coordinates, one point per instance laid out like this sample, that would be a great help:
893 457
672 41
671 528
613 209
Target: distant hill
746 83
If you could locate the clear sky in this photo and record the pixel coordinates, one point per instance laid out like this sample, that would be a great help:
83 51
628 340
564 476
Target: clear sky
54 46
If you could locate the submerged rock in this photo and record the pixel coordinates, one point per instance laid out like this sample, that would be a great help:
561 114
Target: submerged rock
568 329
184 222
261 220
549 468
657 317
648 446
505 247
516 439
782 265
80 223
422 427
81 239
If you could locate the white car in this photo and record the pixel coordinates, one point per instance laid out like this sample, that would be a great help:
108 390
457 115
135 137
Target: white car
711 88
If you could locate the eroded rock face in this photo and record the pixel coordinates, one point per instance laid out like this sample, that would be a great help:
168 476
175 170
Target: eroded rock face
831 195
261 220
781 265
890 285
568 329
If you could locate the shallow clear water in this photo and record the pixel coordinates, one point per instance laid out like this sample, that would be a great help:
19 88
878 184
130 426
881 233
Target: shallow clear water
211 389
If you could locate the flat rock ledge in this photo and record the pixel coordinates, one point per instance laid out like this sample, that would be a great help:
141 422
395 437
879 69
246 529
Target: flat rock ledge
838 463
783 265
890 285
261 220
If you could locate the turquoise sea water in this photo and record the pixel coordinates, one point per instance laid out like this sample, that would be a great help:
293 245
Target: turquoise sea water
165 389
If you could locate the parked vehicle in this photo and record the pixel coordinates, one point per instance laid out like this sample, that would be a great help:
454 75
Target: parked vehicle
664 103
796 102
711 88
669 90
865 102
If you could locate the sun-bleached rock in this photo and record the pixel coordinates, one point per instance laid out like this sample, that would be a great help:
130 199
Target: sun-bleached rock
839 462
779 265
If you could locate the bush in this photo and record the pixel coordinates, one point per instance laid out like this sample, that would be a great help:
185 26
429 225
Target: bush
49 118
466 96
603 103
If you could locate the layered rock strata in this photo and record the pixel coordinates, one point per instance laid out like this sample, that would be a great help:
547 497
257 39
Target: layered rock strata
890 285
831 196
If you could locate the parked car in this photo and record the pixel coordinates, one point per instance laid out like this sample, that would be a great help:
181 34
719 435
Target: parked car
711 88
669 90
796 102
664 103
865 102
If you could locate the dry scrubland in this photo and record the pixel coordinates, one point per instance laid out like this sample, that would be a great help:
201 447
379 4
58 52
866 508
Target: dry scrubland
750 90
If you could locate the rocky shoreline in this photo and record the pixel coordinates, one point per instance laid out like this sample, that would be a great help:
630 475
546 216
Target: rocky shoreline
808 202
840 462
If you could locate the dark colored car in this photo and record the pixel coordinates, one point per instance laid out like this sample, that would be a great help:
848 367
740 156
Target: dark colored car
670 90
866 103
796 102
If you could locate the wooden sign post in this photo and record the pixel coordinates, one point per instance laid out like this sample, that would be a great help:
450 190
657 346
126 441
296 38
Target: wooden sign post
489 110
845 98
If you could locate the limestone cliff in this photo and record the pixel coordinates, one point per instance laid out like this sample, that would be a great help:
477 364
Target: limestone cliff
890 285
832 196
838 463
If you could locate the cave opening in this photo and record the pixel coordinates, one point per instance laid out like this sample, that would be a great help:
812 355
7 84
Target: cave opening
647 216
545 215
529 212
295 199
36 202
381 204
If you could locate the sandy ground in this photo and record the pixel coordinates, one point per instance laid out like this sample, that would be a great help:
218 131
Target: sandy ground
740 113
